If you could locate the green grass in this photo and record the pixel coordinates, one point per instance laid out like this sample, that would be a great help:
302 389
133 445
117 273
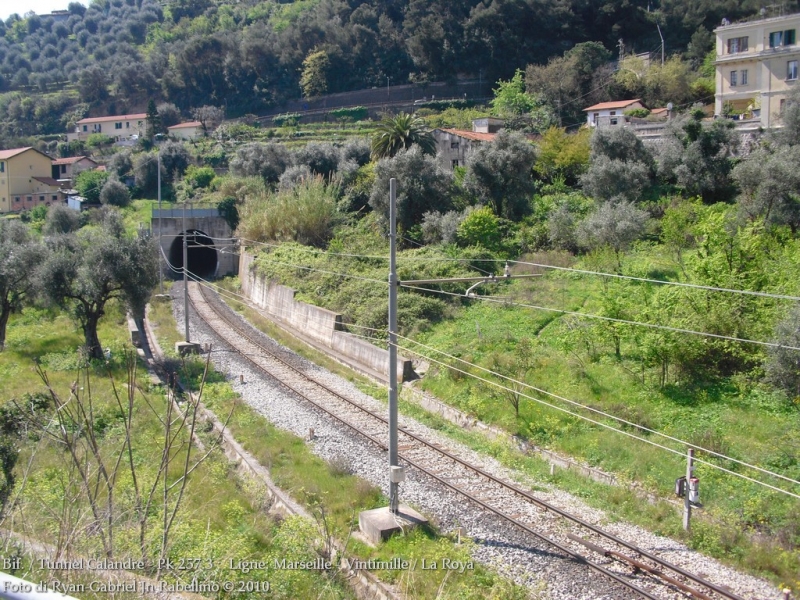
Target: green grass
576 359
223 516
745 422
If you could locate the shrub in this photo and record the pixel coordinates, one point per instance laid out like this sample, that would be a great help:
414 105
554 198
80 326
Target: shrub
98 140
638 113
353 113
115 193
480 227
306 213
90 183
199 177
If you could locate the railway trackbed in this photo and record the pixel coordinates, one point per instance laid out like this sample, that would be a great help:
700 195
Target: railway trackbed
621 568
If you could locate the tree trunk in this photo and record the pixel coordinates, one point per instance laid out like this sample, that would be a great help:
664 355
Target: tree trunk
90 336
5 313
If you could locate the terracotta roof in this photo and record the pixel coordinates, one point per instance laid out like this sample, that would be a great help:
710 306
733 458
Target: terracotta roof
471 135
186 125
614 104
70 160
50 181
87 120
659 111
6 154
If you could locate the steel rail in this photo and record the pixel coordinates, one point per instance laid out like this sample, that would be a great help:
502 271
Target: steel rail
571 553
486 475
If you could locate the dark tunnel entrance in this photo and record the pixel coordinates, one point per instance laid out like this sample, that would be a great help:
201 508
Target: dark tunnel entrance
201 254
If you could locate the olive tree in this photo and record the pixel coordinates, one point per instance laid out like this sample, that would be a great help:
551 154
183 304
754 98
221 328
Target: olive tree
615 224
84 271
770 186
19 256
209 116
61 219
422 186
500 174
267 161
698 158
783 364
321 158
620 165
115 193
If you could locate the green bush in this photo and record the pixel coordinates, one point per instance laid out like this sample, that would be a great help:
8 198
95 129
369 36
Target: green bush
481 227
639 113
199 177
98 140
287 120
306 213
354 113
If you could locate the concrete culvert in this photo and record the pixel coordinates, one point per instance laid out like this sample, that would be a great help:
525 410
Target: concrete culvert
201 254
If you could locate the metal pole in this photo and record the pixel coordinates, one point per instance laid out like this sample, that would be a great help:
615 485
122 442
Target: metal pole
160 247
185 276
394 501
687 506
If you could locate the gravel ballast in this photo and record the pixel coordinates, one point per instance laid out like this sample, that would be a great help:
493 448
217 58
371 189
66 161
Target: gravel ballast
535 565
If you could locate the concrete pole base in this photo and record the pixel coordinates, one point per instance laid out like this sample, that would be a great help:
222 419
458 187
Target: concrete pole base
187 348
380 524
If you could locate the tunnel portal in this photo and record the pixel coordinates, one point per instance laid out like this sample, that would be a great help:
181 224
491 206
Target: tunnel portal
201 254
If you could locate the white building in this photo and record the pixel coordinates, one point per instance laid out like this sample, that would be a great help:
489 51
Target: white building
756 67
610 114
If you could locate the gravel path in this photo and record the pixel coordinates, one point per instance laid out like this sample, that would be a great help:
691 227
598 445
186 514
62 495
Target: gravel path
540 568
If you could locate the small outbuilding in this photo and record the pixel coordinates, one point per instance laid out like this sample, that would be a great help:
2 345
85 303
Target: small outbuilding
190 130
610 114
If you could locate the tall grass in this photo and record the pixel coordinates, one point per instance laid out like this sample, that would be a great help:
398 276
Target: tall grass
305 213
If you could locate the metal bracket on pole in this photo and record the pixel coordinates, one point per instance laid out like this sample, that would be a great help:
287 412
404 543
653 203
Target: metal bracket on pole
394 500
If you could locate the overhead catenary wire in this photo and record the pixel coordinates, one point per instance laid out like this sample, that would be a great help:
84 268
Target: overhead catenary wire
710 288
602 413
238 297
607 426
506 301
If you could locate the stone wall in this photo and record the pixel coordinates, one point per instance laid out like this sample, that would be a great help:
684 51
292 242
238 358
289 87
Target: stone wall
317 326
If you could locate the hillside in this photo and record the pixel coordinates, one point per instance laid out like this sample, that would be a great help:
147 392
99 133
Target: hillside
117 54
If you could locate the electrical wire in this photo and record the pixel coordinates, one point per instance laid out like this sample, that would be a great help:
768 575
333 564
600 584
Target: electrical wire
561 409
507 301
545 266
344 275
606 426
659 282
601 413
556 310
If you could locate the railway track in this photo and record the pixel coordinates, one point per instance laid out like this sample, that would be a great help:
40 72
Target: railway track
637 570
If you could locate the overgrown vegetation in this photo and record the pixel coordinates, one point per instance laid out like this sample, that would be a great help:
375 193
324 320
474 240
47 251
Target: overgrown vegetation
105 468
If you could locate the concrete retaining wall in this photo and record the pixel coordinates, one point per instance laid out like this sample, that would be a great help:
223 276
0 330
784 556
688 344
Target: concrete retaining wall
317 326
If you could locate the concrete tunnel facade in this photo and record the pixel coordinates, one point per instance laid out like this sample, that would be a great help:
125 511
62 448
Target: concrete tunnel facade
211 248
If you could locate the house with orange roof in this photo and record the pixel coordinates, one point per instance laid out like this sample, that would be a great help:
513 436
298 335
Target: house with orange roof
68 168
120 127
610 114
25 180
453 145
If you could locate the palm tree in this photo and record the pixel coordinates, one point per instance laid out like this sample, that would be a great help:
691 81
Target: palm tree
399 132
